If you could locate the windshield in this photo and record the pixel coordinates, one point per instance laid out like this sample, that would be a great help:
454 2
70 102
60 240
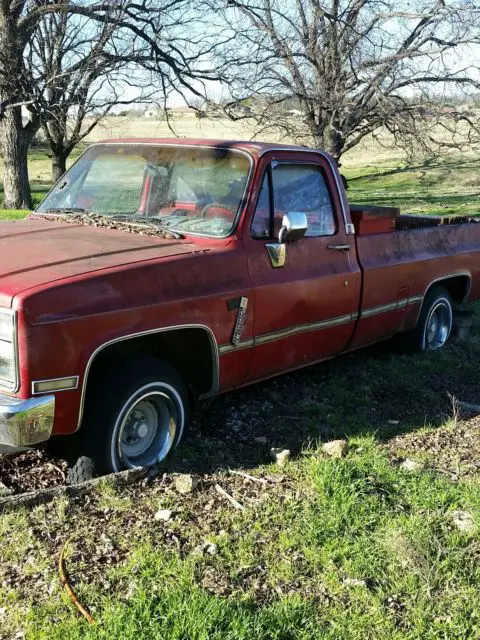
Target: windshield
188 189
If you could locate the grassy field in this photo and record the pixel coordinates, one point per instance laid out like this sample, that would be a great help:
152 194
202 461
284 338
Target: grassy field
353 548
40 172
349 548
445 186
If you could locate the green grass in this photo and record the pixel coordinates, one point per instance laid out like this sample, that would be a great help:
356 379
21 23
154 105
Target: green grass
349 548
444 186
38 193
8 214
352 548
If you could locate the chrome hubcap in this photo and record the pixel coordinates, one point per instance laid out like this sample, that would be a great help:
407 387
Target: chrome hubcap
146 430
439 324
140 429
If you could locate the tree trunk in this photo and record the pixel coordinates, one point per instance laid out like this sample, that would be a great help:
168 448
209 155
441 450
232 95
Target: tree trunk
334 142
15 142
328 139
59 164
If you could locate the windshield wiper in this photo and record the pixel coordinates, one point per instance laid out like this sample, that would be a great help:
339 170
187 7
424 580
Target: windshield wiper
67 210
153 223
85 216
177 220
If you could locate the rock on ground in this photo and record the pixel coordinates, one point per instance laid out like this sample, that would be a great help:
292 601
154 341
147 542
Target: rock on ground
163 515
185 483
4 490
410 465
210 548
336 448
463 521
354 582
280 456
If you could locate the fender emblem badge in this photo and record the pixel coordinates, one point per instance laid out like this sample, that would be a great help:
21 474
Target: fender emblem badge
240 322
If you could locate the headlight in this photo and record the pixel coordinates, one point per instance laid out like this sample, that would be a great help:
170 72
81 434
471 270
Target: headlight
6 326
8 356
7 362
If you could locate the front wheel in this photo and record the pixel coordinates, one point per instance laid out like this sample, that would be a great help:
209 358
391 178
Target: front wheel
434 323
137 418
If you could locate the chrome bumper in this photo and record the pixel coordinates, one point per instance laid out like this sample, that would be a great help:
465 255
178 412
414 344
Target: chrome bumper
24 423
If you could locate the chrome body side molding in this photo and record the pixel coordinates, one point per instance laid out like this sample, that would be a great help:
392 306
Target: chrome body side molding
243 344
322 324
289 331
393 306
313 326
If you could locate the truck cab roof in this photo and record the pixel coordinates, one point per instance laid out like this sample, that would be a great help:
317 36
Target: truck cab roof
252 147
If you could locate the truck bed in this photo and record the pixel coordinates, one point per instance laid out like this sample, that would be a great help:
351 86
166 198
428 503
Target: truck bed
369 219
401 256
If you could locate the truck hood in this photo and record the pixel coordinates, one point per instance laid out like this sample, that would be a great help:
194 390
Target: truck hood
36 252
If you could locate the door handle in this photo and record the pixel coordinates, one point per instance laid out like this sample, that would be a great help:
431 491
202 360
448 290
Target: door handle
339 247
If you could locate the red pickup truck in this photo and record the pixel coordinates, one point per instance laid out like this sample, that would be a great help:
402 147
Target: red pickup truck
159 272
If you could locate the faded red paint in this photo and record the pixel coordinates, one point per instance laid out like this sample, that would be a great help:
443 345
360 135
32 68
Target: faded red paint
76 288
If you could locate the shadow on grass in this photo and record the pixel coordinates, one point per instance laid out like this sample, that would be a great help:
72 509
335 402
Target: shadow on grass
429 164
371 391
442 202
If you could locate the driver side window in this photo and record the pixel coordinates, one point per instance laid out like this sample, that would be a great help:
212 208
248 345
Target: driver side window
261 220
295 187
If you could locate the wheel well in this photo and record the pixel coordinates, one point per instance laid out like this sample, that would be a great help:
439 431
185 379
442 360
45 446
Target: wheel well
191 351
457 286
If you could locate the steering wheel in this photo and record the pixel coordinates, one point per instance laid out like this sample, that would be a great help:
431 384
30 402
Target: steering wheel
178 211
223 210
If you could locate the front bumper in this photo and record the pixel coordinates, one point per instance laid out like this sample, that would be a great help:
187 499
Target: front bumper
24 423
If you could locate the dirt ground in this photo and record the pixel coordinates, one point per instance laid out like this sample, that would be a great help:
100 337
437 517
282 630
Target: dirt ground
405 401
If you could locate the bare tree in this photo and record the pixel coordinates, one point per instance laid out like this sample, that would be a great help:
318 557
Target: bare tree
79 72
356 67
164 37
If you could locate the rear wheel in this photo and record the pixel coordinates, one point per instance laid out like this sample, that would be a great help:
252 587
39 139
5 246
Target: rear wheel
136 417
434 323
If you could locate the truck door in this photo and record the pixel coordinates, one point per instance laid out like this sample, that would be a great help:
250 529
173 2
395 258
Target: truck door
305 308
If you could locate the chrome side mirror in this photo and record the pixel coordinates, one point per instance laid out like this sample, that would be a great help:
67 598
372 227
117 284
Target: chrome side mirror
294 226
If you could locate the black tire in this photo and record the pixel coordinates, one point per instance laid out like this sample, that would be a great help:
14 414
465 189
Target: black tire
428 336
82 470
144 389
